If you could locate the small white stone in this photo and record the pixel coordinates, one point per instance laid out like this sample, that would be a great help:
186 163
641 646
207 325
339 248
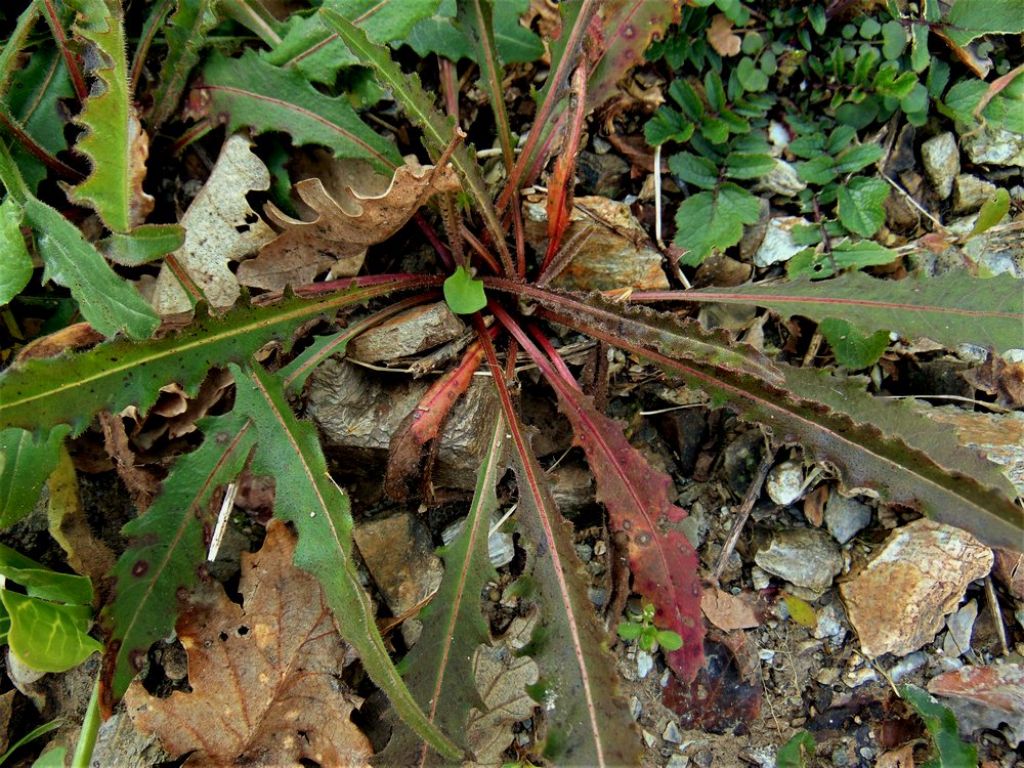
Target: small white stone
941 160
644 663
785 483
778 245
671 733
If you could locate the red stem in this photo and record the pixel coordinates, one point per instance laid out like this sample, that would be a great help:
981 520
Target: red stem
77 79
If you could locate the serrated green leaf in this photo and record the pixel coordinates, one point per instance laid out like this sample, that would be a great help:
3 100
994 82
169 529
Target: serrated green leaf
694 169
15 262
46 636
439 668
889 81
185 33
166 549
714 91
40 394
464 294
667 125
862 205
685 95
714 220
853 349
33 99
515 43
748 165
26 460
844 255
251 92
992 211
857 157
970 19
942 729
109 303
113 134
305 495
818 170
951 309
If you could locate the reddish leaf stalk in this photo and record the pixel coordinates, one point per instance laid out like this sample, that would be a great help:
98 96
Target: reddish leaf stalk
32 147
552 353
442 250
479 249
74 71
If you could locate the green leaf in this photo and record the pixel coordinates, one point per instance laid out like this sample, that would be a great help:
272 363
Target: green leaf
185 33
750 77
439 668
41 582
34 99
667 125
857 157
894 40
686 96
112 132
35 733
166 549
143 244
970 19
305 495
694 169
109 303
862 205
853 349
714 220
794 753
889 81
800 611
669 640
40 394
748 165
942 728
992 212
15 263
464 294
46 636
629 630
844 255
26 460
251 92
714 91
818 170
951 308
420 109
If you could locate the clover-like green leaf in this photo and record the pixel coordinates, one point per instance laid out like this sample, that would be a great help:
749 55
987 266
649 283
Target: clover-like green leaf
464 294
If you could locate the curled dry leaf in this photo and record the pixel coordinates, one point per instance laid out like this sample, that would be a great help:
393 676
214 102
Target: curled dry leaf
265 677
219 227
721 36
348 221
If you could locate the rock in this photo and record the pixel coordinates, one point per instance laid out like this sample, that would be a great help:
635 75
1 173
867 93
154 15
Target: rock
961 626
844 517
985 697
970 193
671 734
941 162
119 742
900 215
617 253
909 663
409 333
778 246
572 488
782 179
897 602
806 557
999 250
399 554
830 623
359 411
721 271
1000 436
500 548
785 482
644 663
994 146
600 174
1009 571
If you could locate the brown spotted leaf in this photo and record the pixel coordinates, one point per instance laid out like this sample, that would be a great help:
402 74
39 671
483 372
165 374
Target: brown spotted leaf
264 675
348 221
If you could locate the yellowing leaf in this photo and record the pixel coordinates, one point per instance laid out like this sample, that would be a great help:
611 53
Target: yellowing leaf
722 37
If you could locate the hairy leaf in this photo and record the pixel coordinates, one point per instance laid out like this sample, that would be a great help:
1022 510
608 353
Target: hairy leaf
852 348
882 446
250 92
166 550
439 131
185 33
970 19
26 460
16 265
951 309
114 140
586 721
942 728
844 255
109 303
663 562
439 668
439 34
143 244
307 497
40 394
34 101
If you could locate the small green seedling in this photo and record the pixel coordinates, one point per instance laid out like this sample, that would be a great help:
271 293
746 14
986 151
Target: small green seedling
641 628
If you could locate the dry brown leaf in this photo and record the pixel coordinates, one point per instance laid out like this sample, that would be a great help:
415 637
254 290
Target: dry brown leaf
902 757
265 678
68 339
140 205
219 227
721 36
347 222
1000 378
727 611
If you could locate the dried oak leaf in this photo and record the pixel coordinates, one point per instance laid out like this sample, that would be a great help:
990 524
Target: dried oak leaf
722 38
348 222
265 678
